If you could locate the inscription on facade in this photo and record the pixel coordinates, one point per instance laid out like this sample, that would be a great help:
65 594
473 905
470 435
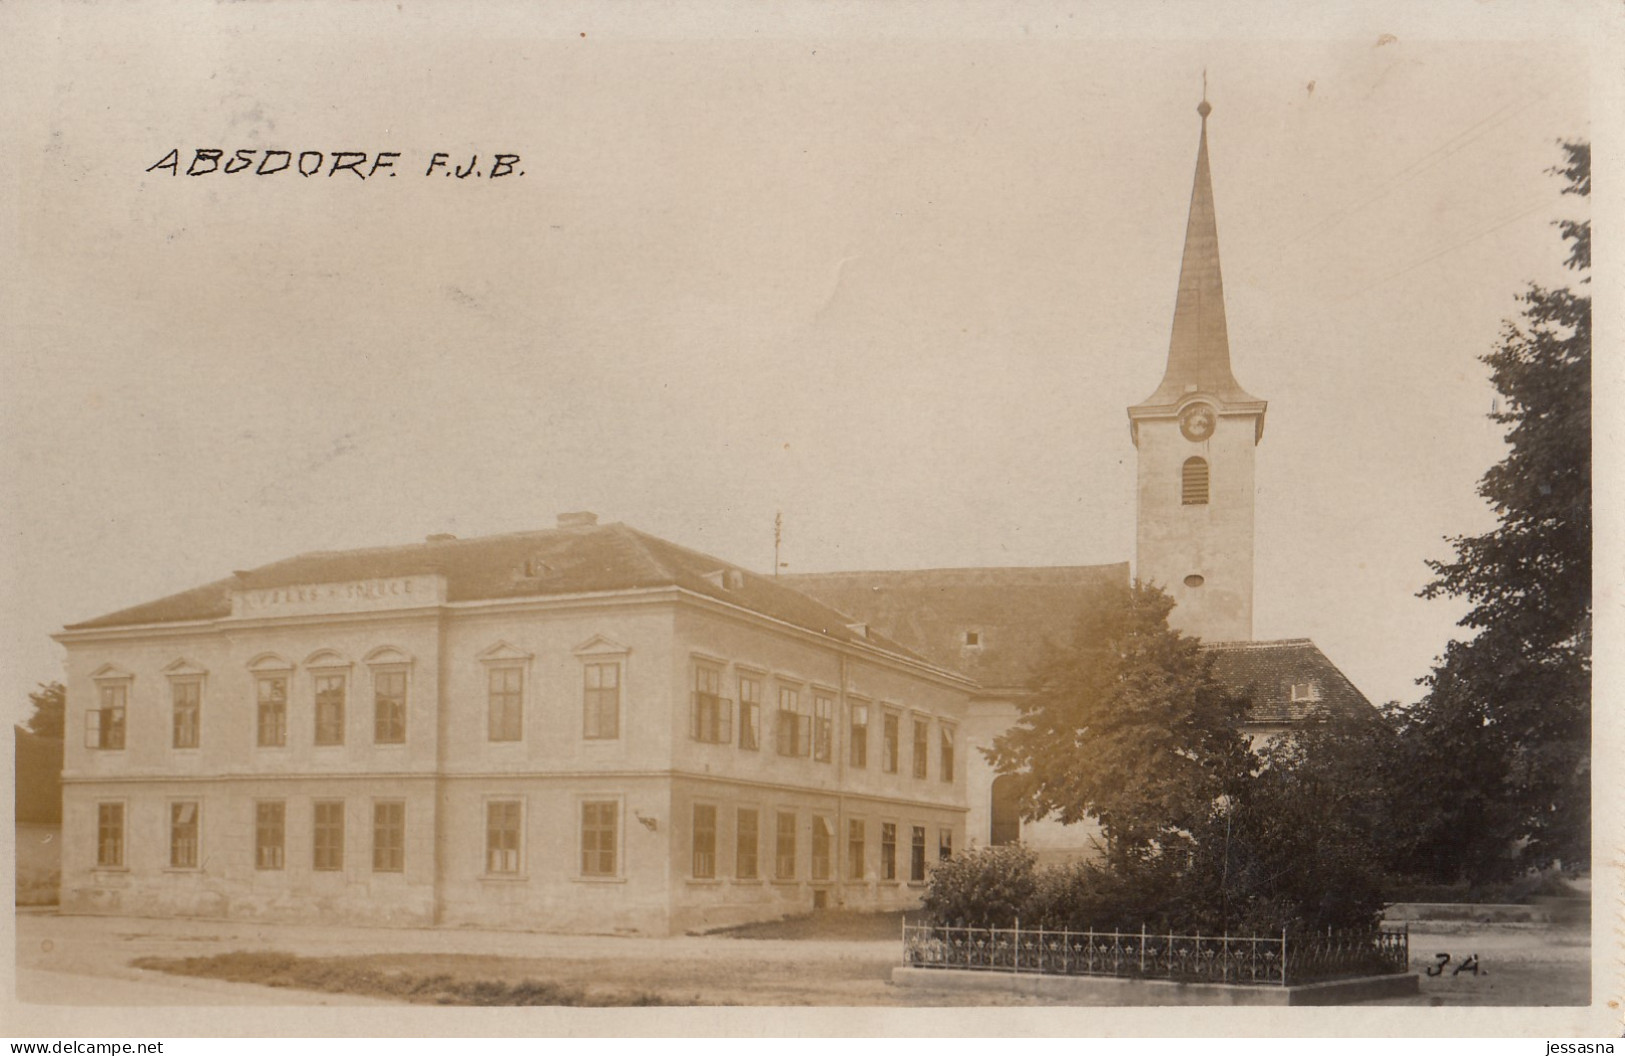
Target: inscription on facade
362 595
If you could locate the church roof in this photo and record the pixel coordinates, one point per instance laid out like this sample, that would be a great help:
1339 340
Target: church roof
1268 671
1010 611
1199 349
553 562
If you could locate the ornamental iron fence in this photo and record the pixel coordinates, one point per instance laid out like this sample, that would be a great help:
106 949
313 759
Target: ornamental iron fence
1251 960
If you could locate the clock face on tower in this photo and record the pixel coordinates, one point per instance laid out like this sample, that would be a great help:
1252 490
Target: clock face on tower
1197 422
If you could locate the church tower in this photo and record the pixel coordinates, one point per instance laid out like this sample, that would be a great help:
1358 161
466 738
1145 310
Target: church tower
1195 438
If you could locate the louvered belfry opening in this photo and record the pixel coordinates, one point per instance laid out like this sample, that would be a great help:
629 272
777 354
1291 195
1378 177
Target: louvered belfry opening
1193 481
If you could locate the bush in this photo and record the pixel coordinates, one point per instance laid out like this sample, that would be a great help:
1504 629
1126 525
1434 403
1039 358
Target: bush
988 887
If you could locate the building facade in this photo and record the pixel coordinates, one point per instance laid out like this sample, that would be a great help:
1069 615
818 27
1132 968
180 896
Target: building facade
586 729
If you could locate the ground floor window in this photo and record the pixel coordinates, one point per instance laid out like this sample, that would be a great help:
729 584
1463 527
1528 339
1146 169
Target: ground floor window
502 836
785 860
183 835
268 834
888 850
821 840
746 842
705 841
327 836
854 848
945 844
388 837
916 858
110 835
599 837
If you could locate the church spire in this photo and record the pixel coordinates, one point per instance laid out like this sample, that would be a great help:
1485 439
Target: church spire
1199 350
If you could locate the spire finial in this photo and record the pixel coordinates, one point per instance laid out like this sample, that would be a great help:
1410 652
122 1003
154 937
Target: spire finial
1204 107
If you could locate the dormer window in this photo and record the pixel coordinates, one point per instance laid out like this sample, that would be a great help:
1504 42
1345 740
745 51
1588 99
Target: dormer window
1303 692
1193 482
973 639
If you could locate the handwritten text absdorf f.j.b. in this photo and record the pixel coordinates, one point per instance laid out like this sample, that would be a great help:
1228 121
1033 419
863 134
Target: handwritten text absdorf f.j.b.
361 164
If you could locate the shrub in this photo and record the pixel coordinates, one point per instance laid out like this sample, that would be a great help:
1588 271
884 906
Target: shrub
988 887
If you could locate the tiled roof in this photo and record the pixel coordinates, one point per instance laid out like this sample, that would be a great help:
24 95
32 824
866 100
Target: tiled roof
1267 671
592 559
1012 611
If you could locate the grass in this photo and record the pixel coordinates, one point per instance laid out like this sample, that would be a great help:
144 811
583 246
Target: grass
838 925
374 977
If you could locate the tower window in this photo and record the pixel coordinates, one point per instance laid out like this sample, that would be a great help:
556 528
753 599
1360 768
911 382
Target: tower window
1193 482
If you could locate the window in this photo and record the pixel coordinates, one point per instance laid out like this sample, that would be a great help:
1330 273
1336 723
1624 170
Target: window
794 729
327 836
746 843
945 770
602 702
713 715
273 710
888 850
110 835
599 838
916 858
750 712
330 709
183 835
973 638
823 727
821 840
888 742
187 696
854 848
104 726
705 841
1305 691
1193 482
945 844
859 736
268 834
389 837
784 863
502 837
389 705
922 747
505 703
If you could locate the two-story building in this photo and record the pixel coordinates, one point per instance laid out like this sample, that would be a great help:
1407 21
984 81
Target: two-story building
584 729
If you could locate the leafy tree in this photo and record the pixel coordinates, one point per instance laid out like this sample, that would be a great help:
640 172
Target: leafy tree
1504 731
50 710
1127 726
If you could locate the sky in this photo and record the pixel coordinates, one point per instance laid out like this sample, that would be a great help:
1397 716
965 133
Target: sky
894 273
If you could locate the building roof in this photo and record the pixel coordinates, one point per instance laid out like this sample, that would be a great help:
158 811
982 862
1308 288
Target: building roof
1199 349
583 559
38 778
1267 671
1012 611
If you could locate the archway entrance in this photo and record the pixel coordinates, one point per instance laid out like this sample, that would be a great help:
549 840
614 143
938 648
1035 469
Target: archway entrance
1006 812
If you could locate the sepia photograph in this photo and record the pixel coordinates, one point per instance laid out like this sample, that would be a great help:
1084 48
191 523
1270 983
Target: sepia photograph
807 519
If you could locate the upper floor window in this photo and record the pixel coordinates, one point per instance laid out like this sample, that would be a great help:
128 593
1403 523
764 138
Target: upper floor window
1193 482
888 742
922 747
823 729
505 703
712 713
104 725
272 715
750 712
389 705
858 735
330 708
946 769
793 728
601 701
187 697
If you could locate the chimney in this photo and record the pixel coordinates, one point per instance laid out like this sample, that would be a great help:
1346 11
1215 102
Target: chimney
580 519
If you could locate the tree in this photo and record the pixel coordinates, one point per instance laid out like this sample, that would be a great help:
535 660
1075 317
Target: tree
50 710
1127 726
1504 731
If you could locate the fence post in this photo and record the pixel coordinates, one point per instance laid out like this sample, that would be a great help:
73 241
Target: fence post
1142 951
1040 949
1015 959
1224 967
1283 956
